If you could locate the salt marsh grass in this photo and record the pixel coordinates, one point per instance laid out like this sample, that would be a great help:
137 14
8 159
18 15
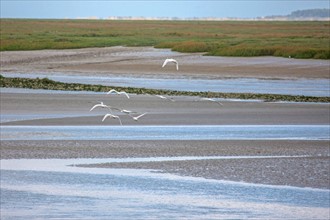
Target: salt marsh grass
296 39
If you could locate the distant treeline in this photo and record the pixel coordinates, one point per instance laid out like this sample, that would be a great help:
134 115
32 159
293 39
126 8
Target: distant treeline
310 13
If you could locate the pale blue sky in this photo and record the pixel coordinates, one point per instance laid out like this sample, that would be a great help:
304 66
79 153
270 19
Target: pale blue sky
169 8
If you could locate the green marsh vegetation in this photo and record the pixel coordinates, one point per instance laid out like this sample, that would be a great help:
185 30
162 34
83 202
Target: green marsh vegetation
46 83
297 39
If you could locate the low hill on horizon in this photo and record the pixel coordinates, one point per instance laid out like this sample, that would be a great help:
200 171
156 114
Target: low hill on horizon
305 14
318 13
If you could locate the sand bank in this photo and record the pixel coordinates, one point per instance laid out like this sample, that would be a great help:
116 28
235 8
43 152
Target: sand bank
147 61
74 109
311 171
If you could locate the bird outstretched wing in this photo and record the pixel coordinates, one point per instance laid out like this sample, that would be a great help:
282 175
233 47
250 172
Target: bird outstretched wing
171 60
165 62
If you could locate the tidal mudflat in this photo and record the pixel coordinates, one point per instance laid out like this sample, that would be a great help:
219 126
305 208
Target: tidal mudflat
55 175
125 193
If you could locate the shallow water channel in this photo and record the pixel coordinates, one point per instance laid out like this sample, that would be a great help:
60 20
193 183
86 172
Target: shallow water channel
59 189
56 188
177 132
306 87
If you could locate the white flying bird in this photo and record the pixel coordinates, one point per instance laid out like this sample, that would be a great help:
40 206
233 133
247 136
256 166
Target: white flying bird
99 105
112 91
102 105
173 61
127 111
211 100
112 116
137 117
163 97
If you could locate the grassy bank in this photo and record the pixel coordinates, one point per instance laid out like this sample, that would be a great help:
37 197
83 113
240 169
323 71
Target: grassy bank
297 39
46 83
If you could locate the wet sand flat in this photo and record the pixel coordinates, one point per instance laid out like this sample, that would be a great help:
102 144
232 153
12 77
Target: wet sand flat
73 109
309 171
139 61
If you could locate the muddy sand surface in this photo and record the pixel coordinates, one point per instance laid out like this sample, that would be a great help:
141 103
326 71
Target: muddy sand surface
147 61
309 171
73 109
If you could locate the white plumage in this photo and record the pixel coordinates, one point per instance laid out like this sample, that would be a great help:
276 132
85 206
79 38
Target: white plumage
211 100
173 61
112 116
137 117
101 104
112 91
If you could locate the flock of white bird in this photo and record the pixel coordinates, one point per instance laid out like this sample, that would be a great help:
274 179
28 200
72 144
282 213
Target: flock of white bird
111 108
135 115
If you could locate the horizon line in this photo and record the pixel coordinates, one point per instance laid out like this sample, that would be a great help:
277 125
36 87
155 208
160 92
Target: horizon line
144 18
